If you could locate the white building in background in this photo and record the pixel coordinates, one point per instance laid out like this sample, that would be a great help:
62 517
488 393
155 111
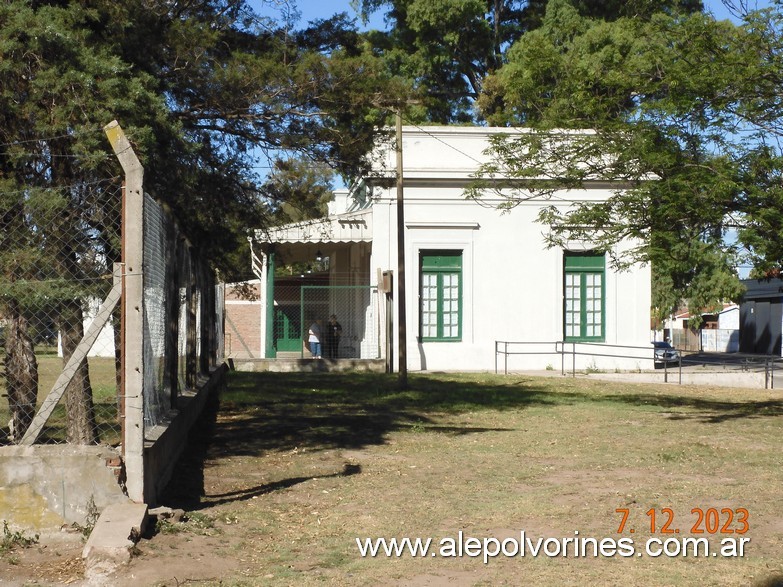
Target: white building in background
473 275
104 344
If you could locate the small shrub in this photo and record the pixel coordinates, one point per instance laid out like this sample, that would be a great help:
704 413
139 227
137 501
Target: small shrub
12 540
165 526
417 427
592 368
92 517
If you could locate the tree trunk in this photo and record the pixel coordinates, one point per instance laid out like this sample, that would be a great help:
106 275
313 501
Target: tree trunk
79 409
21 373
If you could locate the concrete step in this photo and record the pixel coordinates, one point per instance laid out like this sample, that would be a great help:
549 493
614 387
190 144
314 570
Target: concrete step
308 364
116 532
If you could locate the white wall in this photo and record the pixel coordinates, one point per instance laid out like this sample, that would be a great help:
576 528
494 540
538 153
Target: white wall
729 319
512 285
104 344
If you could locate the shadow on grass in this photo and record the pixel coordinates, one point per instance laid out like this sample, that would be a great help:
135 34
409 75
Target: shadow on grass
268 412
703 410
278 411
251 492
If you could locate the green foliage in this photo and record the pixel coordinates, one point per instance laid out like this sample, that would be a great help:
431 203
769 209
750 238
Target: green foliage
448 48
678 119
165 526
11 540
91 518
200 88
297 190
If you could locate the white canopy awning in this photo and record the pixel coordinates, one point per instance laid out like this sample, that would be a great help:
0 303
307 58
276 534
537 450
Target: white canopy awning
353 227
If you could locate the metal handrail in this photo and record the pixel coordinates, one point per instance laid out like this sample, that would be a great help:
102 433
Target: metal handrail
562 348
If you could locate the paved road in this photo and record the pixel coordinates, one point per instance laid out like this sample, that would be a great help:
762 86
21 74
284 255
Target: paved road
731 361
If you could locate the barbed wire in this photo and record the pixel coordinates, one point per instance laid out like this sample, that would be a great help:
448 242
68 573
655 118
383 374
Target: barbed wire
81 184
75 133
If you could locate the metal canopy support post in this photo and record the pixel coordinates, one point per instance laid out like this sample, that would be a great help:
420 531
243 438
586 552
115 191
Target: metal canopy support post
401 315
267 334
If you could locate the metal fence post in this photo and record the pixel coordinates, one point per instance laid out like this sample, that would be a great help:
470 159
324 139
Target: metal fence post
772 374
562 357
302 326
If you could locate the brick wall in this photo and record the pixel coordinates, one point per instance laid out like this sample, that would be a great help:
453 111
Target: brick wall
243 321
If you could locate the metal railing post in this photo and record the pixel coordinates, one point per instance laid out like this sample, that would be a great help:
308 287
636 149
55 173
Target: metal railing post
680 366
562 357
766 372
573 359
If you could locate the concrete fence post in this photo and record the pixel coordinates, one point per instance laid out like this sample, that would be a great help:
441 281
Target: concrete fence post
133 311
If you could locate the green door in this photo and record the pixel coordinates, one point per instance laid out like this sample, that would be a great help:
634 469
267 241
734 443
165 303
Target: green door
288 331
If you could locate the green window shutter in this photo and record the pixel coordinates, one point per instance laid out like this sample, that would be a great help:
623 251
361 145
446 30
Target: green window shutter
440 310
584 297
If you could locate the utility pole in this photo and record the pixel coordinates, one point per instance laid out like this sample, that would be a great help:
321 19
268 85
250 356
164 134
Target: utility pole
402 354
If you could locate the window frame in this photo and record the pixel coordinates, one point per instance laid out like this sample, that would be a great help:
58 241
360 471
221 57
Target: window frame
441 262
583 265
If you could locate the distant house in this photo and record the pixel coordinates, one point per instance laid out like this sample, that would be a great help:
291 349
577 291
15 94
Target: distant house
761 316
718 331
104 343
473 275
727 318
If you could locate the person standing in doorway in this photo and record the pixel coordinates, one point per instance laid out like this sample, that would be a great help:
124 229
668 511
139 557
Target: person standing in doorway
314 338
333 333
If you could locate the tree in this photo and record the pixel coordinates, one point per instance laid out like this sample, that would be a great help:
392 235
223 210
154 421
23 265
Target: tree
676 104
449 47
199 86
63 226
298 190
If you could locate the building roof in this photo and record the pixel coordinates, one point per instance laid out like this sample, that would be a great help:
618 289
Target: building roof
352 227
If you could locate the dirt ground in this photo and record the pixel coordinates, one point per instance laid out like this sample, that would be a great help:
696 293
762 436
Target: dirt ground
276 490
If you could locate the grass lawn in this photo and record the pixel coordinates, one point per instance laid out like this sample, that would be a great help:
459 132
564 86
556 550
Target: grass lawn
104 391
294 467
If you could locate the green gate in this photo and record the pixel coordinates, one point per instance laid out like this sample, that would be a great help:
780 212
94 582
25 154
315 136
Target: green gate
287 329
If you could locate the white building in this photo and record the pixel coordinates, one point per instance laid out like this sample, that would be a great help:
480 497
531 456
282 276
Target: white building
473 275
104 344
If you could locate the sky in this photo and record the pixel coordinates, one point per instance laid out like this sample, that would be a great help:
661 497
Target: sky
318 9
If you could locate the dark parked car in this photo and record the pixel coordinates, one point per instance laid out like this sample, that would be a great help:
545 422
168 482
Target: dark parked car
665 353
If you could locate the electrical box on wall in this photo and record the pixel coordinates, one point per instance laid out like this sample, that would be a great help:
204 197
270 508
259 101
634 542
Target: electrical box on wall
385 280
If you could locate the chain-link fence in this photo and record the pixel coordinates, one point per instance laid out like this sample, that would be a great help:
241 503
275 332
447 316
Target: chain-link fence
182 316
57 250
57 258
344 319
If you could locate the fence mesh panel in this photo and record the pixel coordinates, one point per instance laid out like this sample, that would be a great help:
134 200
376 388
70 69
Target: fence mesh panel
181 315
347 318
157 395
57 254
57 250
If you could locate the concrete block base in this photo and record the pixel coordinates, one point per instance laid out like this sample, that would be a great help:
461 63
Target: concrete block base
290 365
117 530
